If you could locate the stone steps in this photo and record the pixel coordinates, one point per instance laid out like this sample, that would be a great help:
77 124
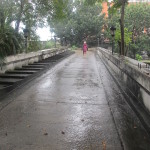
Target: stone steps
21 72
34 66
14 78
9 81
29 69
47 61
19 76
2 86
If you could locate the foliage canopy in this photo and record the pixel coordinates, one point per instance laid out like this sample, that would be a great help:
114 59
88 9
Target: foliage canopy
82 24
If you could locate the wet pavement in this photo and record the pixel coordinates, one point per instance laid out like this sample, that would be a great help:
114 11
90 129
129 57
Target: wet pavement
75 105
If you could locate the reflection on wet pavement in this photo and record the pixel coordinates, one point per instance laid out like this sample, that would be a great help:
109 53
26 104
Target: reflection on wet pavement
77 106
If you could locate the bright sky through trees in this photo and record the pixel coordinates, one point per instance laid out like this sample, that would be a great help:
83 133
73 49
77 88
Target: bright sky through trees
44 33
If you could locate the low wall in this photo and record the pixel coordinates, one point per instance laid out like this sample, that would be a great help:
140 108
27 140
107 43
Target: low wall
17 61
136 80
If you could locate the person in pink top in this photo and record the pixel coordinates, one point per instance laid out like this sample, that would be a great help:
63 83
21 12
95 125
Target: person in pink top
84 48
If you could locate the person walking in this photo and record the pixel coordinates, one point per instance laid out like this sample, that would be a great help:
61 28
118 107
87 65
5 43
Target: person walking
84 48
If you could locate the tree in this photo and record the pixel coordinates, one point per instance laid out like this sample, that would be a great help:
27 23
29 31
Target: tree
10 41
21 11
120 4
36 10
30 13
127 38
117 4
83 24
137 19
6 13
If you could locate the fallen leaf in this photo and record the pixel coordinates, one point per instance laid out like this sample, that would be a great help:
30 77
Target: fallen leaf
45 133
62 132
28 126
82 120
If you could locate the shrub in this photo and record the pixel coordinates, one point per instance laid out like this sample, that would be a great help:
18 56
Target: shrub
74 47
138 57
10 41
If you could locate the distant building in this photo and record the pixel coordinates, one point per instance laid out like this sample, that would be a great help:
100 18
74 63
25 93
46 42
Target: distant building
106 5
138 1
134 1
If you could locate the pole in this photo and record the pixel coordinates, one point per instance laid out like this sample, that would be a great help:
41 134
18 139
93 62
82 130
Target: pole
26 34
25 44
102 38
55 42
63 41
112 45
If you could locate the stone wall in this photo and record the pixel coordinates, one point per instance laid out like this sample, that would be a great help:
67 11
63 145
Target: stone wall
17 61
136 80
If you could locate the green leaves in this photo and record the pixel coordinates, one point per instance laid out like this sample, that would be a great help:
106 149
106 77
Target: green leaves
138 57
30 13
85 22
92 2
127 36
137 17
10 41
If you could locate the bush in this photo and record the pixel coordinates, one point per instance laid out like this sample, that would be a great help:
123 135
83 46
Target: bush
49 44
34 46
148 53
10 41
138 57
74 47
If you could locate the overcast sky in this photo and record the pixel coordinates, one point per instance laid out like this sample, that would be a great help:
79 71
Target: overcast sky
44 33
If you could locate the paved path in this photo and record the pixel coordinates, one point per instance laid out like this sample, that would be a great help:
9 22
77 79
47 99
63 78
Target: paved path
74 106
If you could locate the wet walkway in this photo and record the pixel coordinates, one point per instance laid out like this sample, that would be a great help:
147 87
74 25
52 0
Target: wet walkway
74 106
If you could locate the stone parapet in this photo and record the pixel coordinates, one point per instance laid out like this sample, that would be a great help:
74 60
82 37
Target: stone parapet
17 61
136 79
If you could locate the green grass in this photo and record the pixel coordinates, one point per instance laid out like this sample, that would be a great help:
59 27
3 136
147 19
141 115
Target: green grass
146 61
74 47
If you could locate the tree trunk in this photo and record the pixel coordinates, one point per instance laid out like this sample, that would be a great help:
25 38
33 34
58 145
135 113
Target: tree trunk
133 30
122 27
2 20
126 50
119 43
19 16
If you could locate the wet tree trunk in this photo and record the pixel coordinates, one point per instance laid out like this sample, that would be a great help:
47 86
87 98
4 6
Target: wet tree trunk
133 35
122 27
22 2
126 50
2 20
119 43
